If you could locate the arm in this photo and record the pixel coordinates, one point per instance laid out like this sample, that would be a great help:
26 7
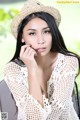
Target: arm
63 88
17 82
27 55
34 88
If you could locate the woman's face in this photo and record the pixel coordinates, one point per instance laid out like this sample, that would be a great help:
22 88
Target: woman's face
37 34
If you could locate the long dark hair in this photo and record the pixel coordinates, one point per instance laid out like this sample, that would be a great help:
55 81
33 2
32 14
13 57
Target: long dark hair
58 44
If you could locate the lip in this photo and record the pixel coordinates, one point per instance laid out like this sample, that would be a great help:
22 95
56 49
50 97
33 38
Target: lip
41 49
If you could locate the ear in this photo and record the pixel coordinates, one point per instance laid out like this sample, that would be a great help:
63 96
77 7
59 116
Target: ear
22 40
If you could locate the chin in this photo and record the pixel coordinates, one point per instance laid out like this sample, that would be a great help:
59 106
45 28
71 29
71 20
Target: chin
43 54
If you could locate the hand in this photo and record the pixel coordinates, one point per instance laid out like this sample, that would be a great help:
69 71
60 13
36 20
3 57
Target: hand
27 55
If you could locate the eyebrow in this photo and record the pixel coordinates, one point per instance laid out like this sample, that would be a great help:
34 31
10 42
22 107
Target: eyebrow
35 29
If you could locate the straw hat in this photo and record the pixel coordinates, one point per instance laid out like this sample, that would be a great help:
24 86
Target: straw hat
32 6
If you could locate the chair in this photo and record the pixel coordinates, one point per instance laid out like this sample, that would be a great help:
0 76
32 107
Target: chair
76 99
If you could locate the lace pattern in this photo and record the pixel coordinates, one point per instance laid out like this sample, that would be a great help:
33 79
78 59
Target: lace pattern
59 104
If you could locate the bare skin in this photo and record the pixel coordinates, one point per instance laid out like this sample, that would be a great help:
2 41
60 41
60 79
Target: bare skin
37 57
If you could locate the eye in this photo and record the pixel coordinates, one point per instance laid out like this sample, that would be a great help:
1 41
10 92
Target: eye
47 31
31 33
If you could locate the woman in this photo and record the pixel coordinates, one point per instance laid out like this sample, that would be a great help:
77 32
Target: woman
42 72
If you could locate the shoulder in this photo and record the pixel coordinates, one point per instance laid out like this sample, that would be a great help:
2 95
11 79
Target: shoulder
15 70
70 62
11 68
68 58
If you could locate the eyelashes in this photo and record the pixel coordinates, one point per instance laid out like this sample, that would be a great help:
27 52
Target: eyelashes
44 32
47 31
32 33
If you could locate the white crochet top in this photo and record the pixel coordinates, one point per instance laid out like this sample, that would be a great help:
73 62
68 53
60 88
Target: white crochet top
59 105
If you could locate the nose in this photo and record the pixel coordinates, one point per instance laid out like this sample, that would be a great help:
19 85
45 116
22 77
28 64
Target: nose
41 42
40 39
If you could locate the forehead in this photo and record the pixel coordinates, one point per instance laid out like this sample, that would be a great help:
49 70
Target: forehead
36 23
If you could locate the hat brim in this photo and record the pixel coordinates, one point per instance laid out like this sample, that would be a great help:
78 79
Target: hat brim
30 8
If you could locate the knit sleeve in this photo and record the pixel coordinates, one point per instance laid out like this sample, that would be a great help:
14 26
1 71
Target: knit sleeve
64 77
28 107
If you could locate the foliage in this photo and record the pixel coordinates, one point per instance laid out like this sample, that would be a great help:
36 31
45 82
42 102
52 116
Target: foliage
5 19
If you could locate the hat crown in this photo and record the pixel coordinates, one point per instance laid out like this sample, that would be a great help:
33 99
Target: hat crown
32 6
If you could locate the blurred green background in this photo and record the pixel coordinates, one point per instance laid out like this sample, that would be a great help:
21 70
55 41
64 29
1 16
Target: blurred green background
69 27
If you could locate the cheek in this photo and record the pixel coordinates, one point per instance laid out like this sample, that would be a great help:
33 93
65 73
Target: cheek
29 41
49 40
26 39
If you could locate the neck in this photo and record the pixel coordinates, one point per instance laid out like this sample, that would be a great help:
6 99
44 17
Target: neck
46 61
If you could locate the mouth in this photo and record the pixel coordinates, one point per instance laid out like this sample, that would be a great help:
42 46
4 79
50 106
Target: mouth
40 49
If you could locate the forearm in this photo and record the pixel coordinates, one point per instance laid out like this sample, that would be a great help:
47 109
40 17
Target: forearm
34 88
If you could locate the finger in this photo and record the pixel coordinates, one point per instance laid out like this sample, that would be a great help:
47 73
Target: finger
30 52
23 48
33 53
27 52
